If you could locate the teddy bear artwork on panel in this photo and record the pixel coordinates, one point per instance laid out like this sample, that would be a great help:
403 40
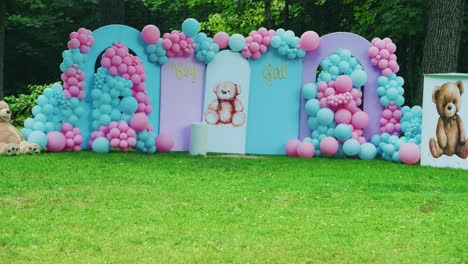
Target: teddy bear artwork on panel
226 108
450 133
11 141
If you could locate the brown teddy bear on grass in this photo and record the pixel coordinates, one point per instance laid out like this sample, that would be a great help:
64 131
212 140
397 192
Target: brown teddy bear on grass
226 108
11 141
451 137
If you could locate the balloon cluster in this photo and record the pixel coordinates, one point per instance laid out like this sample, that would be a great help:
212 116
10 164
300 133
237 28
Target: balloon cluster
52 108
73 138
72 57
287 44
382 55
73 82
156 53
81 40
342 63
205 48
119 135
390 119
177 44
119 61
257 43
390 89
411 124
111 99
388 146
146 142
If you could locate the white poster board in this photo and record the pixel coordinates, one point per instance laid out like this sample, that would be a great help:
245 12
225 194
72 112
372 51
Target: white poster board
226 102
445 106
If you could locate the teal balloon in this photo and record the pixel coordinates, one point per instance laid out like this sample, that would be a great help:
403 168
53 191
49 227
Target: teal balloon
236 42
325 116
309 91
359 78
128 105
275 42
382 81
343 132
312 107
351 147
368 151
101 145
392 93
39 138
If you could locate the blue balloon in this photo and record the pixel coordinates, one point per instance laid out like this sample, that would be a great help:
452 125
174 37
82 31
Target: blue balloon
236 42
128 105
359 78
312 107
309 91
39 138
101 145
368 151
343 132
325 116
351 147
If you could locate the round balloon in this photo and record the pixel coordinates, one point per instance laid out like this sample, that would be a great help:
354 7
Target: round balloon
291 147
410 153
221 39
55 141
101 145
190 27
309 40
151 34
164 142
305 150
236 42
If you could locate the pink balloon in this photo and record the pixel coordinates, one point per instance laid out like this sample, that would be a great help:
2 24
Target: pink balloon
139 122
66 127
291 147
343 84
410 153
56 141
329 146
167 44
343 116
387 114
388 71
73 44
221 39
373 51
164 142
309 40
391 47
305 150
360 119
383 63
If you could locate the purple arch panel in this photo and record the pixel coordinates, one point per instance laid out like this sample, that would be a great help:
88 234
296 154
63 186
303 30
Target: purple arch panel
358 47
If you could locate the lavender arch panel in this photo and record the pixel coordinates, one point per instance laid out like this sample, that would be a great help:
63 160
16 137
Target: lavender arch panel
358 47
105 37
182 89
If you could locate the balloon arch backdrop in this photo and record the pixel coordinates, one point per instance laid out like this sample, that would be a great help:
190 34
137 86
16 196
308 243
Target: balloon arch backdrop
268 93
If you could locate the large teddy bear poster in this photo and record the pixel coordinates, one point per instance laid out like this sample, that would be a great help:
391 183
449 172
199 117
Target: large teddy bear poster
444 138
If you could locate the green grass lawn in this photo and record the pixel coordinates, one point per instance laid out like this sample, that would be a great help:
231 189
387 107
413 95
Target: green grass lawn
175 208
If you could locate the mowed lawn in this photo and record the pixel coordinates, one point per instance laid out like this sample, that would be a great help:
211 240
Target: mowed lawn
174 208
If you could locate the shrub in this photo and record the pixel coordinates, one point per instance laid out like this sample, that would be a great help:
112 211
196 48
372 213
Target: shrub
22 104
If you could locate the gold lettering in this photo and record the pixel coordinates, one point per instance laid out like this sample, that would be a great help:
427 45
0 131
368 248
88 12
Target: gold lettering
271 73
182 71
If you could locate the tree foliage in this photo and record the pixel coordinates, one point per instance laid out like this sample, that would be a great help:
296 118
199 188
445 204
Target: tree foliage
37 30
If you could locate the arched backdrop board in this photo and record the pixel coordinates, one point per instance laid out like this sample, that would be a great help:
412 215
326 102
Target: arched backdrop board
227 66
105 37
182 90
359 49
274 103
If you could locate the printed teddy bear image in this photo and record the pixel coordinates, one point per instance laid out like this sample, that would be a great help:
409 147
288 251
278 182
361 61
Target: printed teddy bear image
450 132
226 108
11 141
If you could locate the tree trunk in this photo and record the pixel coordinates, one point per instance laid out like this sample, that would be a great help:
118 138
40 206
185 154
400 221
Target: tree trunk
111 12
443 34
286 14
2 43
267 13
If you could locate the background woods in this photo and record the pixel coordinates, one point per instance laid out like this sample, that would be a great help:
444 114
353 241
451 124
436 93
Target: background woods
430 35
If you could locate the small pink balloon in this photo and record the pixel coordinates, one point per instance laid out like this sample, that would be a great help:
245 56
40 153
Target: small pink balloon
329 146
56 141
291 147
139 122
221 39
391 47
384 53
67 127
164 142
383 63
387 72
410 153
343 84
309 40
373 51
305 150
380 44
167 44
73 44
360 119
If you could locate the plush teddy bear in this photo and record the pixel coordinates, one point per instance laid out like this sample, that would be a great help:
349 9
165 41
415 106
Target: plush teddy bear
11 141
450 132
226 108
